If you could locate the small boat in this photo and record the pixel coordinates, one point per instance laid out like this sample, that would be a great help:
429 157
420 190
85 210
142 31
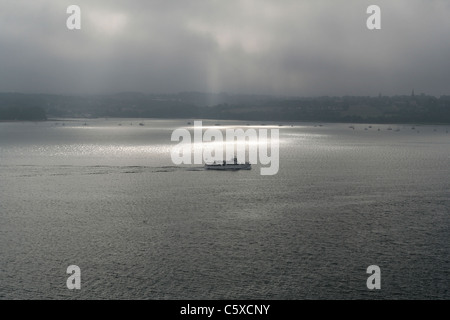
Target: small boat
228 166
141 124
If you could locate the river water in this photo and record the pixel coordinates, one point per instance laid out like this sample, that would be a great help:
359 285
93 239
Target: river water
105 195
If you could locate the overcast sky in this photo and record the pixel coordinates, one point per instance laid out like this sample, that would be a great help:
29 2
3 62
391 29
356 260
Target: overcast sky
282 47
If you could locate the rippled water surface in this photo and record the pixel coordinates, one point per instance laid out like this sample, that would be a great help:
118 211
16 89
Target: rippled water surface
108 198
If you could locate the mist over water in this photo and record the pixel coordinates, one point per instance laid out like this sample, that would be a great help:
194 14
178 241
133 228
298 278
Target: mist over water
106 197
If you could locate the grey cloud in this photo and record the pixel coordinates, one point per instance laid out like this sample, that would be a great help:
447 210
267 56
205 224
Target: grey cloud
247 46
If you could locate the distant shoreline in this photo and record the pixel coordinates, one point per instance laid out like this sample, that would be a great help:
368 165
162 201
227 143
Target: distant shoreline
284 123
241 120
406 109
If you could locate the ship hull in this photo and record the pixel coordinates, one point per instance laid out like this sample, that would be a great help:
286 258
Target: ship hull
228 167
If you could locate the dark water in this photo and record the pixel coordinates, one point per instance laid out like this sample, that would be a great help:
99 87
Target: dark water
108 199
